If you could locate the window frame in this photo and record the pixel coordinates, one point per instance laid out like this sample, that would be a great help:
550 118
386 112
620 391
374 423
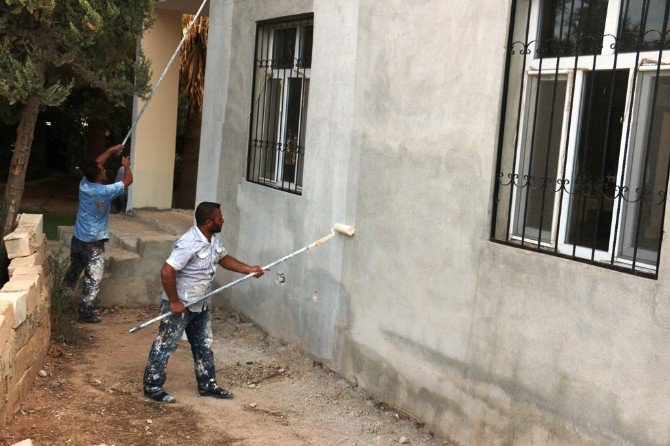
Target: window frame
284 76
575 69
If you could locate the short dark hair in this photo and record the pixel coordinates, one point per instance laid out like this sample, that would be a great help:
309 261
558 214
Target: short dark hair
91 171
204 211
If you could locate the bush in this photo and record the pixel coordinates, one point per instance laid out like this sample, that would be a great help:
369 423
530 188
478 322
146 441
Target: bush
63 303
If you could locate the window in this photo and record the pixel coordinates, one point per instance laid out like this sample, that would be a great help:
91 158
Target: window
282 66
584 146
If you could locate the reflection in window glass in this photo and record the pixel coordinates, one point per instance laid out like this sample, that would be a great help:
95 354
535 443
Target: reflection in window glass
283 48
596 160
565 22
270 129
292 126
541 151
643 25
651 153
306 47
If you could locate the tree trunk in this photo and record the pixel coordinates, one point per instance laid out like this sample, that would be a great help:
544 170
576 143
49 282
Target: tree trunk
188 175
19 165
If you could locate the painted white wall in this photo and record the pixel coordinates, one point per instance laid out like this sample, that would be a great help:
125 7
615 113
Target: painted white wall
153 141
486 343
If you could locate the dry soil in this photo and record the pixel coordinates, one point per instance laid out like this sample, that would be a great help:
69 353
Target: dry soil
92 395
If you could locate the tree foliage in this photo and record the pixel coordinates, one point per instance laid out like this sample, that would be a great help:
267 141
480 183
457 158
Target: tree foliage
50 47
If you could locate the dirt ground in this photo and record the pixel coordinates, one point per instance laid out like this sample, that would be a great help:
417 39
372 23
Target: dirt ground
92 395
55 194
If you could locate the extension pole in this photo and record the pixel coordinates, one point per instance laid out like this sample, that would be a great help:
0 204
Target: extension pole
338 227
160 79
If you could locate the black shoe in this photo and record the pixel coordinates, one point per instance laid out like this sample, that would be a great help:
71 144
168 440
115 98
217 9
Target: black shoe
215 391
161 396
89 319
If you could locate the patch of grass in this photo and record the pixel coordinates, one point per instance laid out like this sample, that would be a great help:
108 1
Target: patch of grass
52 222
63 303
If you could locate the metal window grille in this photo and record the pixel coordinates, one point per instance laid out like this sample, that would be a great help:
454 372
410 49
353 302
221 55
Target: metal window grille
584 144
282 66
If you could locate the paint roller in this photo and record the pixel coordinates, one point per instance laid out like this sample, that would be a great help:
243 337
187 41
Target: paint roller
337 227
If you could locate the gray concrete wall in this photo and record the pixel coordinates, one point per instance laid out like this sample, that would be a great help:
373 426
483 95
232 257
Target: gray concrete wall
486 343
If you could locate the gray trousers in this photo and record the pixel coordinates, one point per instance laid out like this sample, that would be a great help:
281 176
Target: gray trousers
198 328
88 257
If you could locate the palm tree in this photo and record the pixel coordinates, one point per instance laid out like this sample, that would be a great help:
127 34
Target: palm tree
193 56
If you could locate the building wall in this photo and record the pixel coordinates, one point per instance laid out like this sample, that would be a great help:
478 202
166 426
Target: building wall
153 141
486 343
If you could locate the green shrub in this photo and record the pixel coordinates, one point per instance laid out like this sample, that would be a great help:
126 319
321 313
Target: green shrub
63 302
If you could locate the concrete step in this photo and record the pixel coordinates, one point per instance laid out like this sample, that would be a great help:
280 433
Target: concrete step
134 235
117 259
134 256
123 282
130 235
171 221
65 235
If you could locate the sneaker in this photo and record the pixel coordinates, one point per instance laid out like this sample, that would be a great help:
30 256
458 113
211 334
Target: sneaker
89 319
212 389
161 397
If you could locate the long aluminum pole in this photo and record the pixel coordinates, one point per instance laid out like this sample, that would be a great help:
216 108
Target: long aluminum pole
160 79
241 279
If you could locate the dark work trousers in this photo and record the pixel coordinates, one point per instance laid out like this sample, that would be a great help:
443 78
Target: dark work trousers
88 257
198 327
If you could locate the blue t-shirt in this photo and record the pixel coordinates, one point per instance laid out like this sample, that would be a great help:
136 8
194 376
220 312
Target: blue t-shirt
95 200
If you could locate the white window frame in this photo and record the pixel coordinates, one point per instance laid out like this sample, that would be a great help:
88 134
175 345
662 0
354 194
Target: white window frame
295 72
566 67
517 194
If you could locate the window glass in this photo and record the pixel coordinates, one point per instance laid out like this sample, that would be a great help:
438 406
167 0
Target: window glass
306 47
283 48
643 20
292 128
563 22
651 153
596 158
542 147
271 118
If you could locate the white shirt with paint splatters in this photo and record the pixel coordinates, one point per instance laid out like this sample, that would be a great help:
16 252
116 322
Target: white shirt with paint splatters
194 259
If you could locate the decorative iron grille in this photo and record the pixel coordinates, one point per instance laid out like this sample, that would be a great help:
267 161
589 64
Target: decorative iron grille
584 144
282 66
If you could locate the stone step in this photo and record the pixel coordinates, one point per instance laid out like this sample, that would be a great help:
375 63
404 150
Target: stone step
65 235
171 221
130 235
134 256
134 235
124 282
117 259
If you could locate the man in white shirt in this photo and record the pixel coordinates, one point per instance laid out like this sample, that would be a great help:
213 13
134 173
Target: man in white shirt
188 274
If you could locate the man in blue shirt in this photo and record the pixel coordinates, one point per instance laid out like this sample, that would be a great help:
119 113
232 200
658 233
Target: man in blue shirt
91 230
186 275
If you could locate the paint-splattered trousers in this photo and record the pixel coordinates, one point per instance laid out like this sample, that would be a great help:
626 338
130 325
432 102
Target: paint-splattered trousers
198 327
88 257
